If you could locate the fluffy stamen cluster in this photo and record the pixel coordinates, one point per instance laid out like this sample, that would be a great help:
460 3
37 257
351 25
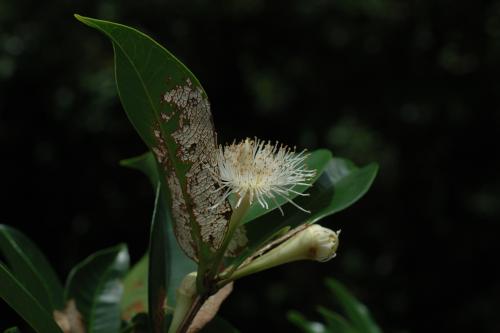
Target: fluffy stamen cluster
261 171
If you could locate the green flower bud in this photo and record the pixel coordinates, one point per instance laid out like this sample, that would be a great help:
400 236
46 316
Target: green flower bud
313 243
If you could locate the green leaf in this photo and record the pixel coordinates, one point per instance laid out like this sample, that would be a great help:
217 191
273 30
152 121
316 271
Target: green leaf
335 322
23 302
170 111
183 265
317 160
357 313
348 182
31 268
12 330
340 185
219 325
95 285
308 327
135 290
163 249
145 163
159 264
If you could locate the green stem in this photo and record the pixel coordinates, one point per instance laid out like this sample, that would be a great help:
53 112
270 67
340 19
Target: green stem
235 221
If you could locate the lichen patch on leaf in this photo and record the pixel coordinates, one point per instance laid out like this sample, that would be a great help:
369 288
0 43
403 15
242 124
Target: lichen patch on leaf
180 215
195 141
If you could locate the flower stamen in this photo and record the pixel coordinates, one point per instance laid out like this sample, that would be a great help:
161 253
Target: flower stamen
262 172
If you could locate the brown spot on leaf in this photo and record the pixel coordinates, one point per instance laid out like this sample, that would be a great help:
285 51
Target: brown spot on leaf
138 284
159 311
133 309
69 319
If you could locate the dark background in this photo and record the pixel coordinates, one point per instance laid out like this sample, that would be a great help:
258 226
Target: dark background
412 85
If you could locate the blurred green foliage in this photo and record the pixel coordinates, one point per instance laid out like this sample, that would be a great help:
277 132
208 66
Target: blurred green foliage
413 85
355 317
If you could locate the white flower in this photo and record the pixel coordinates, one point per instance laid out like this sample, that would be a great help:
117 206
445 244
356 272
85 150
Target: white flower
261 172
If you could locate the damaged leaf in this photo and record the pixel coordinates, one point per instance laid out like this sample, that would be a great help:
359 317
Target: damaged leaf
170 110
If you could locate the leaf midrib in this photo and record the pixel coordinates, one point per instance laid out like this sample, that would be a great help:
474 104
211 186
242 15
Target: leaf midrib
30 266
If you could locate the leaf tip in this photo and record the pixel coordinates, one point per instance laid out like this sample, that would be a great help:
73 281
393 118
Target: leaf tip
374 169
85 20
79 17
124 163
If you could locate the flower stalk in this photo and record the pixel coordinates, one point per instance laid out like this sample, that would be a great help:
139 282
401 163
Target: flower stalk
236 218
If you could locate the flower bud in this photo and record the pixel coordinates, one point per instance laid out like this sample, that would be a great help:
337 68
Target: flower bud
185 296
313 243
325 244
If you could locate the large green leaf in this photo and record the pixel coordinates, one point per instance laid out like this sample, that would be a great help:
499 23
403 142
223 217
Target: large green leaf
31 268
135 290
340 185
96 286
357 312
25 304
181 264
170 110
